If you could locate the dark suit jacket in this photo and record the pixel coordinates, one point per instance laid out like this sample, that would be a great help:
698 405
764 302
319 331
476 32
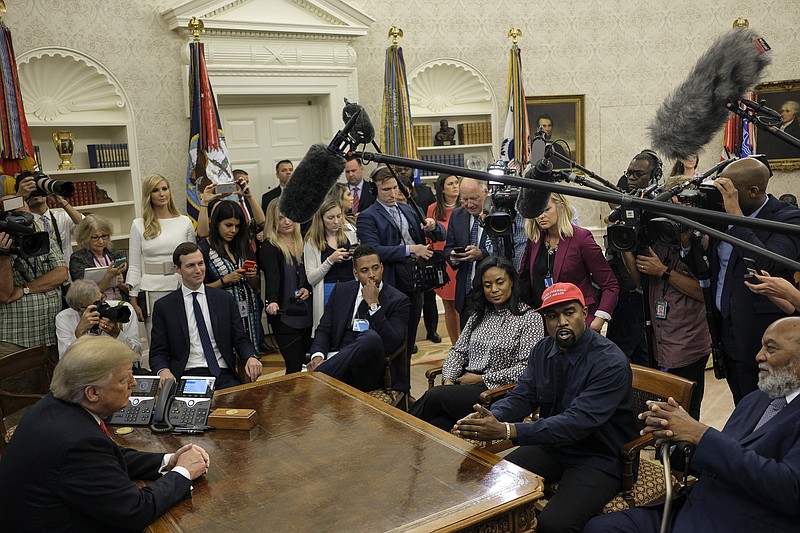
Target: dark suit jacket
62 473
169 340
751 313
458 237
377 228
270 195
747 481
390 321
579 260
366 196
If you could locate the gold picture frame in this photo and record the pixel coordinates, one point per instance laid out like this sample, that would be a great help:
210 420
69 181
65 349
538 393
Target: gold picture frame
782 156
567 111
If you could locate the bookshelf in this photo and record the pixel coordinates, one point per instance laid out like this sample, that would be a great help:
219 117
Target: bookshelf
97 111
452 90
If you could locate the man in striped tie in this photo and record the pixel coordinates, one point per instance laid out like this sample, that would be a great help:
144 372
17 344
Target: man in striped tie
749 472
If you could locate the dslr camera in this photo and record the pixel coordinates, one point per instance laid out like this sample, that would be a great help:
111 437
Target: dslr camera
45 185
117 313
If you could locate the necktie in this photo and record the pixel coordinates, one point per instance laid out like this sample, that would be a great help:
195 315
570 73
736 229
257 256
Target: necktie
773 409
243 205
473 240
205 340
45 222
354 209
104 428
403 228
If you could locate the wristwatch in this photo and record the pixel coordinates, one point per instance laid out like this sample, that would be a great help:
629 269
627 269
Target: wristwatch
374 307
26 290
667 273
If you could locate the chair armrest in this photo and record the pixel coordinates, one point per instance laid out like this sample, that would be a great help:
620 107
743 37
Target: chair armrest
488 397
7 394
431 375
630 458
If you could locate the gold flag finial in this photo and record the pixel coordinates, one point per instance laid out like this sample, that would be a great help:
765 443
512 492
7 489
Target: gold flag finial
741 22
2 7
197 27
514 34
394 33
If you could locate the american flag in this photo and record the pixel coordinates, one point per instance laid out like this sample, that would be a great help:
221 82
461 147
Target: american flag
208 153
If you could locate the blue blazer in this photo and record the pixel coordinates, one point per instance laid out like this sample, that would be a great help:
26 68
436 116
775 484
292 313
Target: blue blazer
751 313
60 472
377 228
169 344
748 481
390 321
458 237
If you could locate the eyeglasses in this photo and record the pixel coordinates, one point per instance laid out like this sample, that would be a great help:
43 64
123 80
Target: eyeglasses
97 238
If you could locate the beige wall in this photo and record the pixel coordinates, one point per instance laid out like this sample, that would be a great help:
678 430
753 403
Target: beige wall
624 55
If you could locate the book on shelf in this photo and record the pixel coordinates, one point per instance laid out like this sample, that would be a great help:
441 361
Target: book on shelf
106 155
85 193
37 154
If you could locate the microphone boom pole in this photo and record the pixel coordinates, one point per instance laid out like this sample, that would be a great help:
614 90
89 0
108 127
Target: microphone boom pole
623 200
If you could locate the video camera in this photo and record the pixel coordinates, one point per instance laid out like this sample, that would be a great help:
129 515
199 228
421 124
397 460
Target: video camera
45 185
27 242
500 205
635 229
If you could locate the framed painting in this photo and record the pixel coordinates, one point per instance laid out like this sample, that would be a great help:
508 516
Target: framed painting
783 97
563 120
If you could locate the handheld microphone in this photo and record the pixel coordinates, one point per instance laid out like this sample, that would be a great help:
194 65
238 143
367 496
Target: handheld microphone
363 132
312 179
532 202
696 110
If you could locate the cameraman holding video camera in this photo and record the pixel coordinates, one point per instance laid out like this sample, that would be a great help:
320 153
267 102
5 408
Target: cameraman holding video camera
91 314
30 277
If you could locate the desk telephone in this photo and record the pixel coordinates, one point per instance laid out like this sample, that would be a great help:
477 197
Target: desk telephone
185 405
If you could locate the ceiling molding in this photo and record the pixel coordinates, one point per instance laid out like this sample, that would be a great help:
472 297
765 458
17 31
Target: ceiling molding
310 19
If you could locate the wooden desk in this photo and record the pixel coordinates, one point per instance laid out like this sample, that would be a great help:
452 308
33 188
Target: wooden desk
326 457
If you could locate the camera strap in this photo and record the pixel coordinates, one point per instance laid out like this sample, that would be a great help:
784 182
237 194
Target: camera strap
56 232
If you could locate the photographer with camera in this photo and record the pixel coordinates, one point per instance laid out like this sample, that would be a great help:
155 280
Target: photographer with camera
467 243
29 284
682 342
746 315
58 223
91 314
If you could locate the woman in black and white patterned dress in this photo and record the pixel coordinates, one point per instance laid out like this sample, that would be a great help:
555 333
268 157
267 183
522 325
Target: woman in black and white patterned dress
492 350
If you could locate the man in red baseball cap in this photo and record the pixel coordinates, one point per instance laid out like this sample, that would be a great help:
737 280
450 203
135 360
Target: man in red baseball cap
581 383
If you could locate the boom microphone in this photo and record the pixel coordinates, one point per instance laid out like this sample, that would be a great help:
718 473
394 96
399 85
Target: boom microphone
532 202
696 110
363 131
310 183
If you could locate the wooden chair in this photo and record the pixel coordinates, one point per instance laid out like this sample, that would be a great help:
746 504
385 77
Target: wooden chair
24 380
649 487
401 400
648 384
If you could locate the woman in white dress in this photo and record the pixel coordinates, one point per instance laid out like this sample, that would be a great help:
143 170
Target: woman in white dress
152 239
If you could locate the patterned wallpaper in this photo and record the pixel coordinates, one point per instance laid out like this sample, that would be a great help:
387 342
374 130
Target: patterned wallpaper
132 40
624 55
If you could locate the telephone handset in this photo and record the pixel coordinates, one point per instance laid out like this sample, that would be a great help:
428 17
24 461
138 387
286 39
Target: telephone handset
160 425
140 404
186 405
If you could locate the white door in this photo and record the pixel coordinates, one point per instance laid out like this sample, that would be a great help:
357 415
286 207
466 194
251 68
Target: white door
260 131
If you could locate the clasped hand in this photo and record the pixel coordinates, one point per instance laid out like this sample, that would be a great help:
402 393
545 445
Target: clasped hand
668 422
480 425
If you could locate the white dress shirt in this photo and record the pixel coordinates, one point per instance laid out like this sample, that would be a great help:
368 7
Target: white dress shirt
197 359
67 320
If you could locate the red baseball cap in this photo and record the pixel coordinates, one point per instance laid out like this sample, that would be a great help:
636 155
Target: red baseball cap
558 293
